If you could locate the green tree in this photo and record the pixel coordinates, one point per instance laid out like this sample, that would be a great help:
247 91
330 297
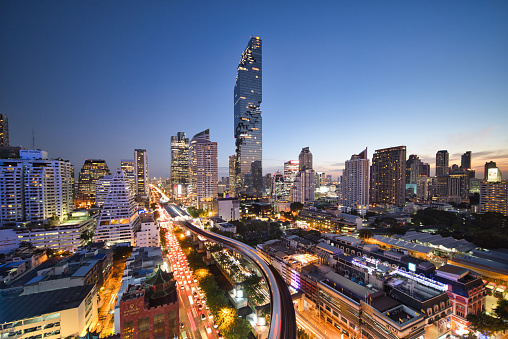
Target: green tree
487 324
87 236
296 207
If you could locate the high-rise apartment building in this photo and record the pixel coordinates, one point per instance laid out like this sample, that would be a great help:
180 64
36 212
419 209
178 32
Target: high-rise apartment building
128 167
304 186
277 189
248 122
102 189
179 164
415 168
118 220
290 171
92 170
203 170
232 175
465 161
305 159
494 192
34 189
4 130
141 163
442 160
388 176
355 183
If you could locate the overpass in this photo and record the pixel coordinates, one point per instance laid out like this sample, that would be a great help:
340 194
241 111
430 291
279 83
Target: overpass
283 319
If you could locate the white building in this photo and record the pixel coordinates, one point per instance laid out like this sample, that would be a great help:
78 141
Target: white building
66 236
102 189
227 209
148 235
34 189
118 220
355 183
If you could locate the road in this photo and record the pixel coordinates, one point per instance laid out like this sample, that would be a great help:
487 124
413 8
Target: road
283 320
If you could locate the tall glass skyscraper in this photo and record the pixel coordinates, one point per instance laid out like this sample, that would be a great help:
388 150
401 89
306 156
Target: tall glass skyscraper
248 124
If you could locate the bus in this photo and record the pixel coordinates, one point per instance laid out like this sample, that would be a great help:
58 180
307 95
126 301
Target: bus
500 291
490 288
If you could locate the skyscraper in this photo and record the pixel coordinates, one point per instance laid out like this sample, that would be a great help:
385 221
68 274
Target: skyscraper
488 165
355 183
91 171
203 169
141 162
465 160
179 164
128 167
232 175
247 121
304 187
4 130
305 159
388 176
442 163
290 172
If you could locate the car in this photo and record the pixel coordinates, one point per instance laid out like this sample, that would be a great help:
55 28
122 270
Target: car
203 316
215 325
181 325
208 329
200 307
195 294
210 315
182 288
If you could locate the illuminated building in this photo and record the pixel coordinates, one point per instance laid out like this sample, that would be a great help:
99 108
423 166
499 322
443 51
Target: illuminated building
277 189
91 171
148 235
34 189
303 189
150 310
118 220
203 169
179 164
388 176
290 172
232 175
494 193
465 161
141 162
128 167
248 121
227 208
355 183
488 166
415 168
63 313
442 162
102 189
4 130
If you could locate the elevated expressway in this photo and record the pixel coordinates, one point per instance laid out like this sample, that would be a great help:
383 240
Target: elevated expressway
283 320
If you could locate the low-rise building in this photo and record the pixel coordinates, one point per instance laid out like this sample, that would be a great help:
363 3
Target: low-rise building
148 235
226 208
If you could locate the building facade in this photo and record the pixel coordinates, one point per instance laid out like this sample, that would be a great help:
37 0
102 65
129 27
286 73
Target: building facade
388 176
179 164
442 162
128 167
92 170
203 170
4 130
355 183
248 121
141 163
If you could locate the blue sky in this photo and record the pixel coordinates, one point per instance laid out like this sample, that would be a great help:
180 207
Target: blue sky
97 79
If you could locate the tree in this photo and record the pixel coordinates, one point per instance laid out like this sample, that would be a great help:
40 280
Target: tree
487 324
87 236
296 207
501 311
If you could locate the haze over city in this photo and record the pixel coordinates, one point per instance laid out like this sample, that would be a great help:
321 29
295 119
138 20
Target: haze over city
97 80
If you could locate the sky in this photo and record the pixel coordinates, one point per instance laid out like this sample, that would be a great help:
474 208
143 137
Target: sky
97 79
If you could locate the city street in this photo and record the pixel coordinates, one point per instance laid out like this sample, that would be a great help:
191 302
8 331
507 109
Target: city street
107 299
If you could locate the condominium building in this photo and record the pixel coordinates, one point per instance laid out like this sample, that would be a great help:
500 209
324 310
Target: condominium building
179 164
148 235
232 175
141 163
388 176
128 167
118 220
34 189
290 171
203 169
4 130
465 161
494 197
102 189
355 183
248 121
91 171
442 159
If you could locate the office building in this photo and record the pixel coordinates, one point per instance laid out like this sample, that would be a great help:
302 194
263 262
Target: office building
304 188
232 175
34 189
248 121
128 167
388 176
442 158
118 220
4 130
415 168
277 189
91 171
355 183
179 164
203 170
465 161
141 163
305 159
290 171
102 189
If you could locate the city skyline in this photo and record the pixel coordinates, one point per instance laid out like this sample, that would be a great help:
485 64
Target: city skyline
416 75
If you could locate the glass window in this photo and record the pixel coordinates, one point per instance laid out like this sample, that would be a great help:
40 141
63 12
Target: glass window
128 330
158 326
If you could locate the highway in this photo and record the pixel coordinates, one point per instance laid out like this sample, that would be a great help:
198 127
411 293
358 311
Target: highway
283 320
